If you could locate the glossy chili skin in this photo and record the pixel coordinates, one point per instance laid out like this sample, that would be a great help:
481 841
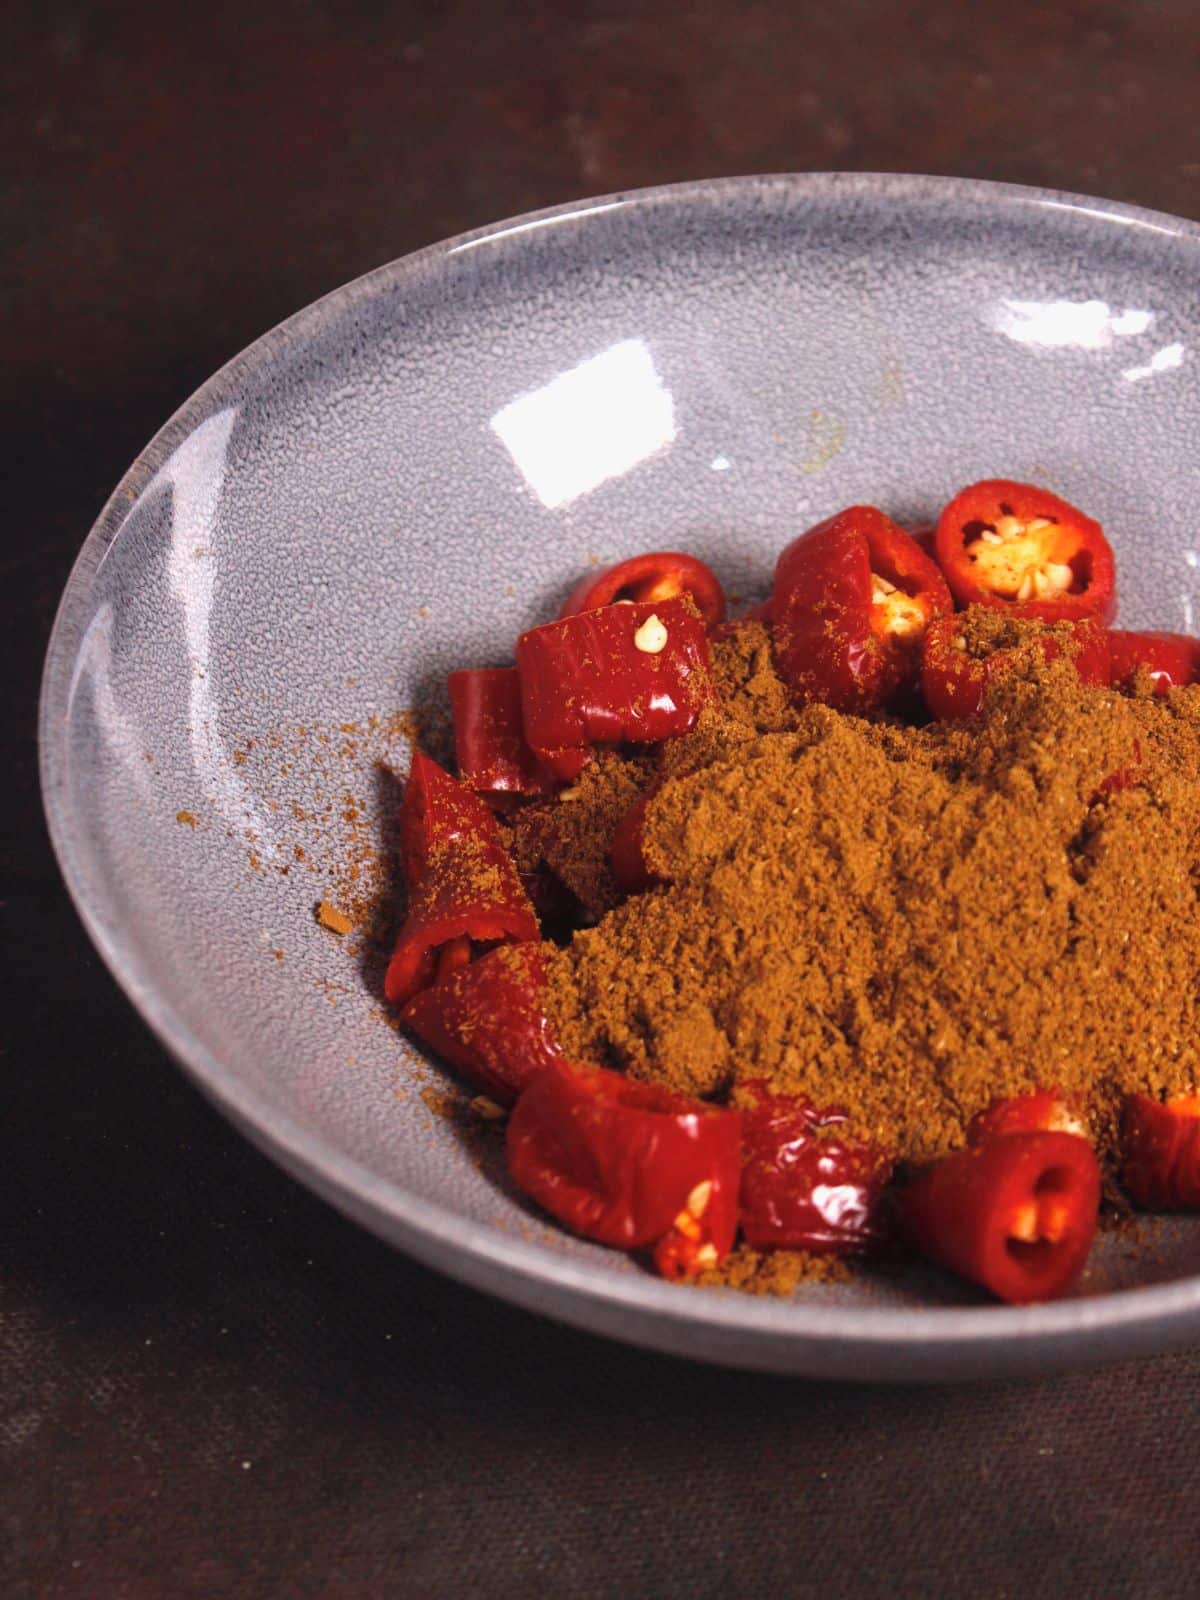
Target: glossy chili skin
450 846
851 603
1160 1152
587 680
656 576
1020 548
805 1184
1172 659
1015 1213
1044 1111
626 857
759 613
488 1020
954 684
490 748
628 1164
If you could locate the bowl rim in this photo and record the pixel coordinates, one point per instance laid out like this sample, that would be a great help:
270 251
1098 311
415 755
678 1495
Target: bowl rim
786 1335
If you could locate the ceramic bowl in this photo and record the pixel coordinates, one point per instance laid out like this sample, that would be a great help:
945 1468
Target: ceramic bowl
403 476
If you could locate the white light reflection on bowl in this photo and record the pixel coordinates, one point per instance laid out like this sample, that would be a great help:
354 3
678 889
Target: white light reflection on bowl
1068 324
535 224
1164 360
591 423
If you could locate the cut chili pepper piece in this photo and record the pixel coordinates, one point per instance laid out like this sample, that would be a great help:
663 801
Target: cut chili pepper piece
632 672
805 1185
1160 1154
954 682
489 735
1016 1214
852 601
1023 549
627 1163
1172 659
436 810
924 536
626 857
759 613
488 1020
1046 1111
461 883
659 575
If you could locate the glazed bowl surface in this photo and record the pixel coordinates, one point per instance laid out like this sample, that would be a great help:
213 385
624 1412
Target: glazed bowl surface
405 475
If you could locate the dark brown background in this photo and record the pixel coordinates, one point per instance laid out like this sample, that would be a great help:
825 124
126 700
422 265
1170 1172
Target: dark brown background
210 1384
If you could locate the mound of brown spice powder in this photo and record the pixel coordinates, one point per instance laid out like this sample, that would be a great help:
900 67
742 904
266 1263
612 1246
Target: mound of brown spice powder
904 921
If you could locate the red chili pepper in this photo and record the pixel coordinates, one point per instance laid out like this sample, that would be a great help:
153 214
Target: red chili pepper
637 672
488 1020
461 883
657 576
1160 1156
1021 548
1172 659
759 613
1016 1214
803 1189
489 737
853 598
625 853
629 1164
1045 1111
954 683
924 535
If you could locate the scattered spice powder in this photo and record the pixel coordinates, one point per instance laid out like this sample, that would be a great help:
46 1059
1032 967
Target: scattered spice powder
904 921
330 917
773 1272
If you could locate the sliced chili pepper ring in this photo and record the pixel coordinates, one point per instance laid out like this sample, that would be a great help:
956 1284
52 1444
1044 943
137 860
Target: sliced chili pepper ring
464 894
1016 546
852 600
1171 659
954 682
657 575
806 1184
489 738
1015 1213
623 1162
488 1020
638 672
1160 1152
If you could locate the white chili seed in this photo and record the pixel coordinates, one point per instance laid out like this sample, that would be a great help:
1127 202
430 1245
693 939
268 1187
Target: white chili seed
651 637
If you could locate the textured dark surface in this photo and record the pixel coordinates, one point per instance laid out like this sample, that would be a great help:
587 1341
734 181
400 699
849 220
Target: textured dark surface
209 1383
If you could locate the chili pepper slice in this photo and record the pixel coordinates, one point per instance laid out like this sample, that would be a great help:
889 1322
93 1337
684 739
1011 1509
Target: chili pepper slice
1172 659
954 683
635 672
489 735
759 613
658 575
805 1186
628 1164
924 535
852 601
1024 549
1045 1111
625 853
1016 1213
1160 1156
487 1019
461 883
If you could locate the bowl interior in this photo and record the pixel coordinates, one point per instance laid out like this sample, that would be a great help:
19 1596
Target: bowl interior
412 471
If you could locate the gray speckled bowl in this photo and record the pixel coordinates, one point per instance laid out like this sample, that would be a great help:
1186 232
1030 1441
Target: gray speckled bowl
403 476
